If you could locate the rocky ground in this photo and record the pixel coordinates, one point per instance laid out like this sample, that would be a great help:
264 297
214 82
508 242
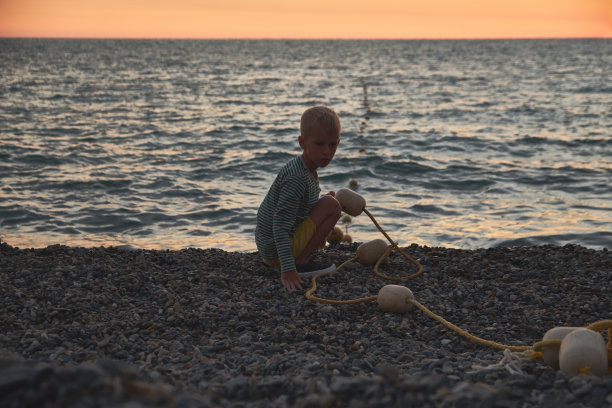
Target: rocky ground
105 327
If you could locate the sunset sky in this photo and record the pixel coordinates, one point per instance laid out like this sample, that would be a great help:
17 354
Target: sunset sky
406 19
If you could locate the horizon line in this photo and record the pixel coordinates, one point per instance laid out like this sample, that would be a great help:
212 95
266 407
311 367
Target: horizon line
304 38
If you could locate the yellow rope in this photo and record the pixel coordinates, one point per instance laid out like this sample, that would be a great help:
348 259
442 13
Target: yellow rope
310 293
397 278
603 325
393 246
539 345
536 348
465 334
310 296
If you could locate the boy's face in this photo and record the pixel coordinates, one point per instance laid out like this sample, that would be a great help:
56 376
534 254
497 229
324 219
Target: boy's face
319 147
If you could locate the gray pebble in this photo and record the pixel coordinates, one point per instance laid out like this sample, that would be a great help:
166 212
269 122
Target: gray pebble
117 327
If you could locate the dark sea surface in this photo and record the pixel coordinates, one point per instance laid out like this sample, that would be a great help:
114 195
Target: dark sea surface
173 144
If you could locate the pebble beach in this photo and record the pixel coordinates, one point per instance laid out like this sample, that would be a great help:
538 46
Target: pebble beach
125 327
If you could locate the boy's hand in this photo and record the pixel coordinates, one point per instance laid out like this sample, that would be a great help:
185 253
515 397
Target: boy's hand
291 280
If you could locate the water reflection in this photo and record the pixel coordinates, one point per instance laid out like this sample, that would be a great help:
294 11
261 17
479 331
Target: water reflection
176 145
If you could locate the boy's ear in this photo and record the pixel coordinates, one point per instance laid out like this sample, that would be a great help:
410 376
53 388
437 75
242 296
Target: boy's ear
301 141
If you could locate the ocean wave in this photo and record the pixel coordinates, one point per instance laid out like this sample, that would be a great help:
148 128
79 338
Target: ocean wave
454 143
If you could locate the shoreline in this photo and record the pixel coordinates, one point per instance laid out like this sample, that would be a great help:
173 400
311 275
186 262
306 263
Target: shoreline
198 327
597 240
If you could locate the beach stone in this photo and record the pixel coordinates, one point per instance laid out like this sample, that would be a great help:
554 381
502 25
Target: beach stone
109 327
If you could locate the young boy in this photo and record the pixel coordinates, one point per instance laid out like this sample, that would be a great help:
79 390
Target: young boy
293 221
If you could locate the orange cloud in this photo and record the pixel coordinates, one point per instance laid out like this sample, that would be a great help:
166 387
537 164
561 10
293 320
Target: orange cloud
306 19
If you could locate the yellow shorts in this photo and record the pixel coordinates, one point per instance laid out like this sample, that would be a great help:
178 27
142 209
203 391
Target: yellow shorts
298 241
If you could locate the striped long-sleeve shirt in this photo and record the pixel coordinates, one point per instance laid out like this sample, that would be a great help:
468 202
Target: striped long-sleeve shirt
288 202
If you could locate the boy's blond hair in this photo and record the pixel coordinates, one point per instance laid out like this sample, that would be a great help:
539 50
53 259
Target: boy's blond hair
319 117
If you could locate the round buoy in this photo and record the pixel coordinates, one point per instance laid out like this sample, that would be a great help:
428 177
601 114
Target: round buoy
353 183
335 235
347 238
583 351
550 352
370 252
393 298
351 202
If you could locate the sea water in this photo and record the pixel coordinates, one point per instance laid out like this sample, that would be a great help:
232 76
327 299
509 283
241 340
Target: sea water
173 144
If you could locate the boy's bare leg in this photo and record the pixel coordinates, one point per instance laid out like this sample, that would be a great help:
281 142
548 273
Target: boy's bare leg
325 215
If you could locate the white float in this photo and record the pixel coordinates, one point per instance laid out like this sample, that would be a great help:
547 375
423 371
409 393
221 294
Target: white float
335 235
393 298
583 351
351 202
370 252
550 352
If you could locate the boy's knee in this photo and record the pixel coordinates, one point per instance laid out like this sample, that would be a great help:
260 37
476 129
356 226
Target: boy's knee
332 205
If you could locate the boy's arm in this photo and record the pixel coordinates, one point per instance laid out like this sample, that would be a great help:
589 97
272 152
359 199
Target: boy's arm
285 216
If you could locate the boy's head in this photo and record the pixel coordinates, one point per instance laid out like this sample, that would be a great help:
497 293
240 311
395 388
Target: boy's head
319 136
319 119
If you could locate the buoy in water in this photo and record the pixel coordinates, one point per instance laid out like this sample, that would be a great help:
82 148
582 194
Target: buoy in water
351 202
347 238
370 252
335 235
583 351
550 352
394 298
353 182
